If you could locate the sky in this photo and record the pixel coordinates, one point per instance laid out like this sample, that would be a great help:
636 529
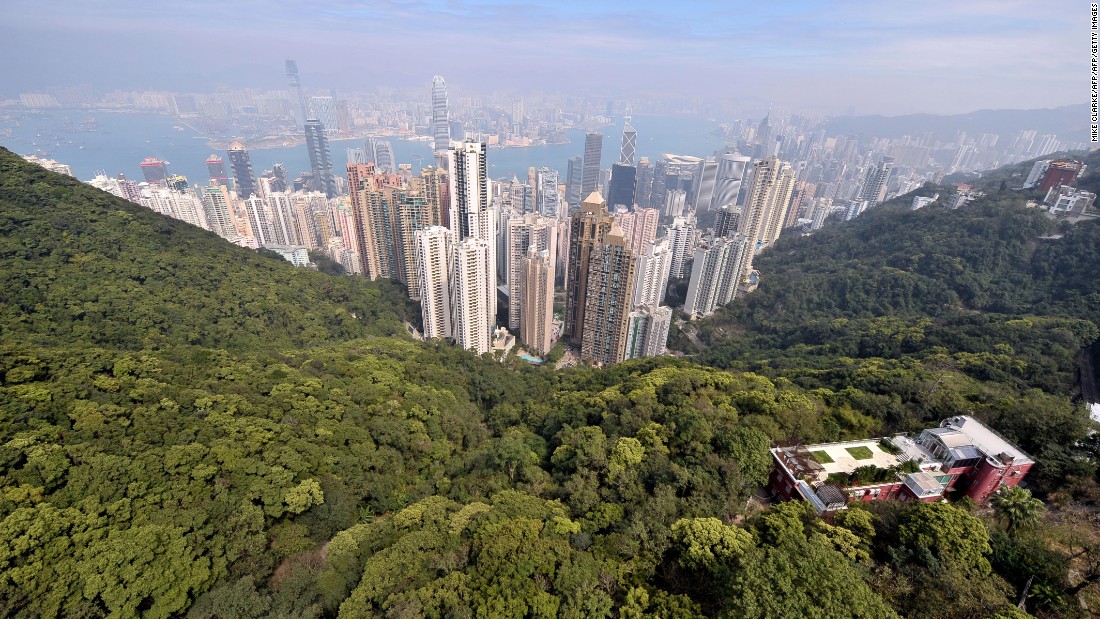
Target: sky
891 58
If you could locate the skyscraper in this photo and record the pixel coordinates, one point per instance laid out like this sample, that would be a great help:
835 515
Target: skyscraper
319 158
441 121
681 241
243 177
728 179
608 301
380 153
593 147
715 275
324 110
296 87
435 268
474 318
155 170
216 166
363 243
531 231
874 187
621 190
573 178
652 269
727 221
548 195
630 144
706 180
472 218
219 213
647 331
259 224
767 198
537 306
587 229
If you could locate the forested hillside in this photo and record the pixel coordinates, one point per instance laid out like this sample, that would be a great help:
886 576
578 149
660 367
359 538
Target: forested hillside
83 266
250 440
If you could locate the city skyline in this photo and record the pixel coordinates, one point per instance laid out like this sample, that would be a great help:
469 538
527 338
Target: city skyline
838 57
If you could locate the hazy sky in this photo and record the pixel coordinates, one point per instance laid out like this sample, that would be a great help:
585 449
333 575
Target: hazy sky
870 57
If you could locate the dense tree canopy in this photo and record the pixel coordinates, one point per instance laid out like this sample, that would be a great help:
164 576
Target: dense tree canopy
189 428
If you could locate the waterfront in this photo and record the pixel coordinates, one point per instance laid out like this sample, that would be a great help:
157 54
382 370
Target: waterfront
122 140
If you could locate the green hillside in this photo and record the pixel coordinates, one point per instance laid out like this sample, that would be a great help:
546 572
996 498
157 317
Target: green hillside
82 266
190 429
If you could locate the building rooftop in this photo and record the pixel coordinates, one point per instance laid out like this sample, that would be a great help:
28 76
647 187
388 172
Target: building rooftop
923 484
988 441
849 456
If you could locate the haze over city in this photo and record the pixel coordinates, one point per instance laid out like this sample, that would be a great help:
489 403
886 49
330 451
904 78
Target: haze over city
832 57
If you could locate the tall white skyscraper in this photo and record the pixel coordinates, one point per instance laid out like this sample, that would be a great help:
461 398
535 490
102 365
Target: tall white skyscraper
647 333
715 275
472 218
767 198
681 240
651 275
441 120
435 265
473 317
258 222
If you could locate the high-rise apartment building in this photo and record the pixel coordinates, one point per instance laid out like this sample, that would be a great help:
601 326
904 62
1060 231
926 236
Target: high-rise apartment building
590 176
244 179
639 225
715 275
653 267
767 198
219 211
435 268
432 184
681 241
441 120
259 223
647 331
874 187
537 300
363 242
320 159
474 317
587 229
608 300
726 221
472 218
527 232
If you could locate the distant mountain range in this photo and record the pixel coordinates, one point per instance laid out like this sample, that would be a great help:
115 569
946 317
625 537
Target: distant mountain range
1070 123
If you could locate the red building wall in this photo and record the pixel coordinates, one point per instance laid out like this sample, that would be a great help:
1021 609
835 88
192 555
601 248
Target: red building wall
989 476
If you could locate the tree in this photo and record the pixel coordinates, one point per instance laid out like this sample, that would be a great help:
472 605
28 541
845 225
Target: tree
797 580
1016 507
705 543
